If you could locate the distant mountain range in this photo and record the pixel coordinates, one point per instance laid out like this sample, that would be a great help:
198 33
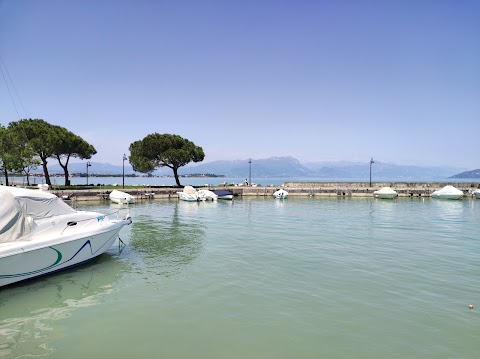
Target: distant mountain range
468 174
286 167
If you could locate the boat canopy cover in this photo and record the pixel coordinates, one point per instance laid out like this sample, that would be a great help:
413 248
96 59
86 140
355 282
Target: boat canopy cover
189 190
119 194
19 206
448 190
222 192
385 190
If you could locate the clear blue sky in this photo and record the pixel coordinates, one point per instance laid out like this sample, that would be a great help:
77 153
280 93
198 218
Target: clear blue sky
317 80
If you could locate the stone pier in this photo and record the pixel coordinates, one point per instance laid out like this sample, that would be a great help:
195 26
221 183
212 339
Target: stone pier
317 189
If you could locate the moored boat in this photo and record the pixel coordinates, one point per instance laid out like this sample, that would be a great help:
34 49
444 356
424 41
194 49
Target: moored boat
207 195
280 194
385 193
223 194
40 234
476 193
121 197
188 194
448 192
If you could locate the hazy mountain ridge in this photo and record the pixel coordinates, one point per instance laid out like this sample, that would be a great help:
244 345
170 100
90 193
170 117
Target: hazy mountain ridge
468 174
282 167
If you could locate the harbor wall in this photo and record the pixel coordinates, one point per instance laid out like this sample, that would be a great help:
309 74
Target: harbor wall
320 189
365 189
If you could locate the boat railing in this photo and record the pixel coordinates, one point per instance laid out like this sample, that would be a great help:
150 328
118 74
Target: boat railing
120 214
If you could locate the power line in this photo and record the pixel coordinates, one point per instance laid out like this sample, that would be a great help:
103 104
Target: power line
9 83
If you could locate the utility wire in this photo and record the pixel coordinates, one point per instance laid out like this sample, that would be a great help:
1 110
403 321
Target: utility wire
5 75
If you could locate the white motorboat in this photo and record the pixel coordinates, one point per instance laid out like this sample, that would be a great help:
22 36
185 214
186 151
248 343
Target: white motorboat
189 194
206 195
40 234
121 197
448 192
223 194
386 193
476 193
280 194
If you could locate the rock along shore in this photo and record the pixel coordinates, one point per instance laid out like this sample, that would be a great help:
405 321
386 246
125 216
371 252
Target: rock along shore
320 189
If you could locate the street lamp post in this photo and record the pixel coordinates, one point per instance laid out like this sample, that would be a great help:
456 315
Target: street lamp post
371 161
250 172
88 165
123 172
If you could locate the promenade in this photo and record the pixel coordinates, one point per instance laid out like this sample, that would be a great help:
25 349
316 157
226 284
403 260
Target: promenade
317 189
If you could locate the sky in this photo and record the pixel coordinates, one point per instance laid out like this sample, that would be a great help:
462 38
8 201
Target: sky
337 80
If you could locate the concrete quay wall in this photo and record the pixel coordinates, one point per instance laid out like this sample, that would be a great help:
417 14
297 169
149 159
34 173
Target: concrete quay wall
378 185
321 189
404 189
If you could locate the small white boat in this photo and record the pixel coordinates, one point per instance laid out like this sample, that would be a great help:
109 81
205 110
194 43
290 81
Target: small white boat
188 194
448 192
40 234
43 186
223 194
386 193
476 193
206 195
121 197
280 194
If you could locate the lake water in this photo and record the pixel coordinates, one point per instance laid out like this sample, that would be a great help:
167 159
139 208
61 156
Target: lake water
264 278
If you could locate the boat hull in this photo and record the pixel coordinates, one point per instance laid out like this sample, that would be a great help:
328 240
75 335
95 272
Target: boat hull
21 261
121 200
448 196
386 195
187 197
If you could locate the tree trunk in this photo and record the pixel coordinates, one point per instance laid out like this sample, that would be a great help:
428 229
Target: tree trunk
45 172
6 177
65 170
27 174
175 174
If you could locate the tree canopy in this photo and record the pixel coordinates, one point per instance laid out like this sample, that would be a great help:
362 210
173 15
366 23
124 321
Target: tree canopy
163 150
6 153
15 155
70 145
44 140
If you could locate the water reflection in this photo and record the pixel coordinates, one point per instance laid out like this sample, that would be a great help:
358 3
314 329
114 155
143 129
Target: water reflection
224 202
279 203
30 310
166 242
449 207
385 207
448 213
